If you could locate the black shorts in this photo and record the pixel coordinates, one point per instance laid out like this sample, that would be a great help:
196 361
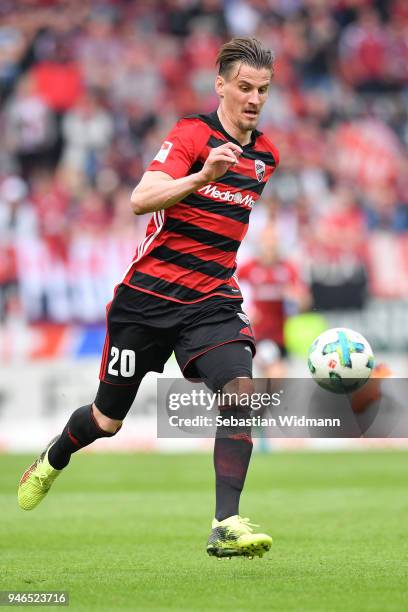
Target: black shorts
144 330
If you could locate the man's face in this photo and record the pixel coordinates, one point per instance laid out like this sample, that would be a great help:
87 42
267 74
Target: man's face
243 92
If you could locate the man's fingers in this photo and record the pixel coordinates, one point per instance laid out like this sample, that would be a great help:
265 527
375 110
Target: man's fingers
230 146
231 159
234 147
229 152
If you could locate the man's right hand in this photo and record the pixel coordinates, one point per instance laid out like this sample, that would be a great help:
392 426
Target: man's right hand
219 161
157 190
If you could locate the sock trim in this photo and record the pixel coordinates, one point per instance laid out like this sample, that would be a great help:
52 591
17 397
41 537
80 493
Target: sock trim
73 439
241 436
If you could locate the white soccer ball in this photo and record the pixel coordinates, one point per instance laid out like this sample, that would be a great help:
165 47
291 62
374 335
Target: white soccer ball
340 360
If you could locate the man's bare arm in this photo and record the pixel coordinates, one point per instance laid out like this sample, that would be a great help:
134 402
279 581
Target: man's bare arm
158 190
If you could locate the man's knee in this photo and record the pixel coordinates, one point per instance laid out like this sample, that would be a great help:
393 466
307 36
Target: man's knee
112 403
83 426
236 404
105 423
237 393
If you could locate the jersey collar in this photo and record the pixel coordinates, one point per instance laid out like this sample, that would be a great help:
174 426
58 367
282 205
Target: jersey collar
214 120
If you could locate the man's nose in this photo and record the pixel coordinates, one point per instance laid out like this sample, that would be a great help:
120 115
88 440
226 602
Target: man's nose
254 97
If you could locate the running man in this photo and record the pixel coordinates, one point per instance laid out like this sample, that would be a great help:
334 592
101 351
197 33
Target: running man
180 292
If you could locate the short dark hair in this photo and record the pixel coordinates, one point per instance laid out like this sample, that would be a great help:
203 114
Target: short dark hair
249 51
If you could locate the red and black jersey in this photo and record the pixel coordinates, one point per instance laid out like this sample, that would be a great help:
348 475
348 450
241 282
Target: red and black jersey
189 252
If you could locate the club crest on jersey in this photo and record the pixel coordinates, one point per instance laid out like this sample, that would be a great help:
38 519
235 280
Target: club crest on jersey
259 169
164 151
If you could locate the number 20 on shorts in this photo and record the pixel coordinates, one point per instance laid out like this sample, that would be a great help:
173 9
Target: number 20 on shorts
122 362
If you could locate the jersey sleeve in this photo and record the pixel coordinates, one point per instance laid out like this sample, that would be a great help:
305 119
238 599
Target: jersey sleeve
269 146
181 148
274 151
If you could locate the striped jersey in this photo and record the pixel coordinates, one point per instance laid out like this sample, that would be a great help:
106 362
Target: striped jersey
189 252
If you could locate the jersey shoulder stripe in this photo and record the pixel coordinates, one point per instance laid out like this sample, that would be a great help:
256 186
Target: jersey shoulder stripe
182 147
265 143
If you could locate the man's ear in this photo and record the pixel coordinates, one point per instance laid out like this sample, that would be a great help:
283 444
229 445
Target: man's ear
219 86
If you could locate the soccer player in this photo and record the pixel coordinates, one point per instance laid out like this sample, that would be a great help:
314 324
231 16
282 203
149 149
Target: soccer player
180 292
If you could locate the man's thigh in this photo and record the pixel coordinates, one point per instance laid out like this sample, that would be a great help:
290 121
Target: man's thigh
134 343
225 365
219 324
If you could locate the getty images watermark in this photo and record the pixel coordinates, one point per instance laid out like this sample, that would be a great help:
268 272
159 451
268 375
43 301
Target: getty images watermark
278 408
206 400
256 405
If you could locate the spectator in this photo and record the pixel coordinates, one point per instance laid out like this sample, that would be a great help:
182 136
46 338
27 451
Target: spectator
17 222
30 129
87 130
363 52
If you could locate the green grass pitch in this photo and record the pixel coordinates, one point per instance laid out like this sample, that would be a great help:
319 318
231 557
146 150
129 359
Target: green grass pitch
128 532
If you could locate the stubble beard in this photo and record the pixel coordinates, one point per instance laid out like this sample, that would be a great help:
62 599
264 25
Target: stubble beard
249 126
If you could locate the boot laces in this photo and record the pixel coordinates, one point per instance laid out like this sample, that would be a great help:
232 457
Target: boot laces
44 480
246 524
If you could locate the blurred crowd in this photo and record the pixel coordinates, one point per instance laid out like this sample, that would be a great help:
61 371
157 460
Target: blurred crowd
89 89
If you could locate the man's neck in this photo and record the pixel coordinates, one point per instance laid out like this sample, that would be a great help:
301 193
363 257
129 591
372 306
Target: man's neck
242 137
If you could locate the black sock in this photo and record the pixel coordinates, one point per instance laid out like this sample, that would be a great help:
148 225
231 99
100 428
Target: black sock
232 453
80 431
